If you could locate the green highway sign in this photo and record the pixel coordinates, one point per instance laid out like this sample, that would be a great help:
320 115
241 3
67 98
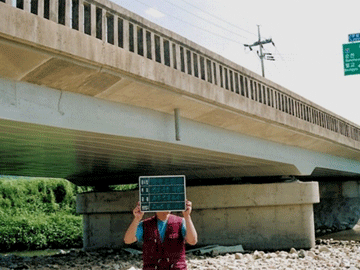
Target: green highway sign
162 193
351 54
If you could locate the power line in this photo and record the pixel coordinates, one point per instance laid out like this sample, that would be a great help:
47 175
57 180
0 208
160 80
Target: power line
219 18
203 29
217 25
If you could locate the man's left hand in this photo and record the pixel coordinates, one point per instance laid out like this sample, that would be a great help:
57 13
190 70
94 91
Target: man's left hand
188 208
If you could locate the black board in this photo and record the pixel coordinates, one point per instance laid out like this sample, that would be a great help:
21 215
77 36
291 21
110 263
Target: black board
162 193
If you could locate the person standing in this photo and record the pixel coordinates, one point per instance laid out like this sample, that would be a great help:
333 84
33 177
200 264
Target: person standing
164 236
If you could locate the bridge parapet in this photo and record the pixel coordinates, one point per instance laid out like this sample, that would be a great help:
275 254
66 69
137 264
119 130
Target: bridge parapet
115 25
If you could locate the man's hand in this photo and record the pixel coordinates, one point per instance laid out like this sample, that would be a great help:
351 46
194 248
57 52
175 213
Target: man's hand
191 234
188 208
138 214
130 235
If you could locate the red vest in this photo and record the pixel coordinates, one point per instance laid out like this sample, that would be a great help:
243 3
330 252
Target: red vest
169 254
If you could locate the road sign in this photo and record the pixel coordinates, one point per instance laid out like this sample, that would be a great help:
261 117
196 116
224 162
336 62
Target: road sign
351 54
162 193
354 37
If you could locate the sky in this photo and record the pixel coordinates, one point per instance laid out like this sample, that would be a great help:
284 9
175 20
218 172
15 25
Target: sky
308 37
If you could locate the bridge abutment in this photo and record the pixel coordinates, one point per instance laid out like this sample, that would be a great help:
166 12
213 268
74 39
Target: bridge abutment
257 216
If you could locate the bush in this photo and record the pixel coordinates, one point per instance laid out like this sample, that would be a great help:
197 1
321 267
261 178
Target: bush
38 214
40 231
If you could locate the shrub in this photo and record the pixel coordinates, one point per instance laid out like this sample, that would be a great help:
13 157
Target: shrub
38 213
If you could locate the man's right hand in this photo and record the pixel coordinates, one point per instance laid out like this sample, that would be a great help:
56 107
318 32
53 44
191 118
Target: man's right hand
138 214
130 235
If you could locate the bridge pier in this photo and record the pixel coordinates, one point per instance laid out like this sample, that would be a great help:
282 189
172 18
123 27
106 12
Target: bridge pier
257 216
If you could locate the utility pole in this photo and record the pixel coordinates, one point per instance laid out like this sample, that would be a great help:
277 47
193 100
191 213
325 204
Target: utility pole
262 56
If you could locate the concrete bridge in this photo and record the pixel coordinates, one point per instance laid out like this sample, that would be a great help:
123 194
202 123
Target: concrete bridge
95 94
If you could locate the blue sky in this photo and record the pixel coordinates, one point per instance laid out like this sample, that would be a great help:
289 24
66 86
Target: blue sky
308 38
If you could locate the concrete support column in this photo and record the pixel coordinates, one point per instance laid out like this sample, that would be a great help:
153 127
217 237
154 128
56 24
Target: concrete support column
185 60
290 105
227 78
116 30
252 93
208 65
54 11
27 5
260 216
153 50
196 65
162 53
222 76
171 54
67 12
205 68
231 80
175 57
93 20
136 39
81 16
104 26
40 8
144 42
257 90
276 98
126 34
217 70
266 97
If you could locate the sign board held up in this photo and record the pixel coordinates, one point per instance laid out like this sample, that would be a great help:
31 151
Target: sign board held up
162 193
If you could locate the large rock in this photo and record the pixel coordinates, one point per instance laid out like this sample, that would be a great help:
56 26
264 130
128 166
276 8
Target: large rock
336 214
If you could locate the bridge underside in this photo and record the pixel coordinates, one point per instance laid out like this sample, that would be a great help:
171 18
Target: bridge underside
88 158
93 142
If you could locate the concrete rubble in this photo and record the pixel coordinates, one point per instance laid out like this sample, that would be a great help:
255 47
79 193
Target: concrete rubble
327 254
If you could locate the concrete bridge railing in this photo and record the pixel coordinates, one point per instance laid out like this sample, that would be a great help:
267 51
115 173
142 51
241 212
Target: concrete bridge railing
112 24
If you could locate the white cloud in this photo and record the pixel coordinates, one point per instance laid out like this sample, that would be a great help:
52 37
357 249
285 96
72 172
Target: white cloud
154 13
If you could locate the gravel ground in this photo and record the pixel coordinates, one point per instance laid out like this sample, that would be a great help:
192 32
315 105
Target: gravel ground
327 254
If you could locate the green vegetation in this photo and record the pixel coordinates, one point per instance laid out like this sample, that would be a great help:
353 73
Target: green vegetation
40 213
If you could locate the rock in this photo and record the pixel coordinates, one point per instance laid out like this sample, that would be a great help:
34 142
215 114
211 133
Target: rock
258 255
311 254
238 256
324 249
293 250
302 253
